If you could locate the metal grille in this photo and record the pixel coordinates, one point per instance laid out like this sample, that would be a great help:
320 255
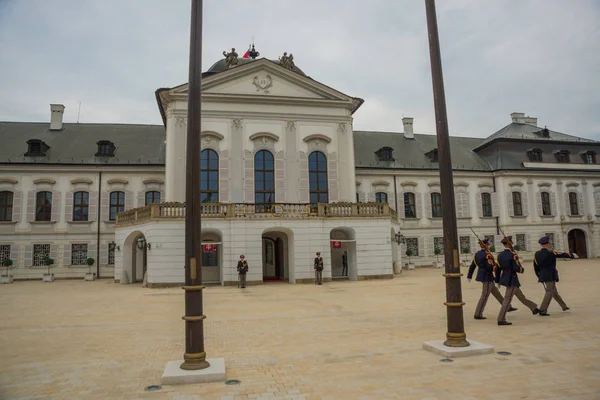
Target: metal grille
4 252
438 242
79 254
465 242
551 237
413 245
521 242
40 253
111 253
491 238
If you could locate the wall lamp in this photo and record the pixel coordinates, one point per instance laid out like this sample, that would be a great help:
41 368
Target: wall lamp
399 237
142 244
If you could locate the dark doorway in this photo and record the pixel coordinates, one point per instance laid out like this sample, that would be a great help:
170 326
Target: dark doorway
577 243
279 258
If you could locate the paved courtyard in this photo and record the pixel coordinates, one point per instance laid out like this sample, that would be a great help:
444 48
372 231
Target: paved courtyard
342 340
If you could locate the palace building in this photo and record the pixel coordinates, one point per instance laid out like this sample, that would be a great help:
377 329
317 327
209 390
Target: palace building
284 175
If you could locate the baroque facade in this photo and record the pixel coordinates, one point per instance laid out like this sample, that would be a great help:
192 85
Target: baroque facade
284 175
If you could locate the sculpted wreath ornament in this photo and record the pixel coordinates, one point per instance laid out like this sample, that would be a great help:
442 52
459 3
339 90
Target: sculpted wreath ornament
274 211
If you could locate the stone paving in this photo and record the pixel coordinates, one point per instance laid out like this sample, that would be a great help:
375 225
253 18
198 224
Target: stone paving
342 340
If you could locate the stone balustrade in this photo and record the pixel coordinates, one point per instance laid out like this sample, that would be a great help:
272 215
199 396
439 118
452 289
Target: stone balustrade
176 211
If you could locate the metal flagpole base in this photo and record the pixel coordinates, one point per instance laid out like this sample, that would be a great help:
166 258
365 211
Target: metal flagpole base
474 349
192 362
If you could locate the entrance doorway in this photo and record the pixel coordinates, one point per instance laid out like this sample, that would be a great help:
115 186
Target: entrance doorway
577 243
135 258
212 256
275 256
345 238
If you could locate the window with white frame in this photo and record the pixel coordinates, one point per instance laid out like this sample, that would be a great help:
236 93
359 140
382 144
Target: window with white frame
40 253
551 237
546 206
436 205
462 205
5 253
573 203
410 207
517 204
521 242
111 253
486 204
79 254
412 244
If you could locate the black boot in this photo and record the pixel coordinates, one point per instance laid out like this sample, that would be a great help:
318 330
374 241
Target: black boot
544 314
536 311
504 323
480 317
511 308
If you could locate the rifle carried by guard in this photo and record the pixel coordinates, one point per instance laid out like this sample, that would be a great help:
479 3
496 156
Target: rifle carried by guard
489 254
512 249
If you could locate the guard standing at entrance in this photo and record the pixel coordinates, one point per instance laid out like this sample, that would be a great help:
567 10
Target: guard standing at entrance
242 269
318 266
544 264
345 263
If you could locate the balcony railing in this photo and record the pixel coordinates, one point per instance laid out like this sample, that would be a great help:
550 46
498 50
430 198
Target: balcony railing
176 211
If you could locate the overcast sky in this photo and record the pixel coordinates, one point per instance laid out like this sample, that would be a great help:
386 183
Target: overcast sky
540 57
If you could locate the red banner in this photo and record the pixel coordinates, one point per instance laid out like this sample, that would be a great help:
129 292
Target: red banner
209 248
336 245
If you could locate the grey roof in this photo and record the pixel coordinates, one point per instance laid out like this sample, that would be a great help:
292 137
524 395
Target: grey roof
527 132
410 153
76 143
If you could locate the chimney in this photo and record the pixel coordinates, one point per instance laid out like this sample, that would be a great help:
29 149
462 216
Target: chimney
56 116
408 127
520 118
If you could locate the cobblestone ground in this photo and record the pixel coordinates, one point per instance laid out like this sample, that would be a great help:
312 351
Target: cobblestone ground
342 340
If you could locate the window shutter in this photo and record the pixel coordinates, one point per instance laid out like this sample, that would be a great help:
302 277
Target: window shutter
580 204
14 254
103 254
473 244
303 187
597 198
401 211
17 205
391 200
56 206
141 199
495 205
419 204
105 204
527 242
280 177
249 176
509 202
91 253
458 205
479 205
69 206
553 203
422 247
67 256
371 197
223 177
332 177
54 253
525 203
31 206
467 205
538 202
362 197
567 204
28 255
128 200
93 206
428 205
431 245
162 196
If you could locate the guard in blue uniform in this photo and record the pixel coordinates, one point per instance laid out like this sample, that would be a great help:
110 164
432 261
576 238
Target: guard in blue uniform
485 274
544 264
510 266
242 269
318 265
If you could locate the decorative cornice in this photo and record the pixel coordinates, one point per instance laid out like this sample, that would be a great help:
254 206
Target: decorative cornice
264 136
596 184
542 184
359 183
430 184
461 183
153 180
117 180
486 184
212 135
9 180
408 183
515 183
572 184
317 137
44 180
87 181
380 183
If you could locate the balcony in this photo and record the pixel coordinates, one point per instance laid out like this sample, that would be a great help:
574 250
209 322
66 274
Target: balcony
176 211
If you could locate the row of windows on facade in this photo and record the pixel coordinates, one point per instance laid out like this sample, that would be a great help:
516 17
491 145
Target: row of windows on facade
81 205
38 148
79 254
412 243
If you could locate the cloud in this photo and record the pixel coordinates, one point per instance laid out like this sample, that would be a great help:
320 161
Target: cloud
540 57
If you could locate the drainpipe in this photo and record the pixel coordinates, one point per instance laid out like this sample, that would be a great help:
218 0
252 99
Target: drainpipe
396 195
497 218
99 203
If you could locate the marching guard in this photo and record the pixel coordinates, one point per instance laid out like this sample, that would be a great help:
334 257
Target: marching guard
242 269
510 266
318 266
544 264
485 262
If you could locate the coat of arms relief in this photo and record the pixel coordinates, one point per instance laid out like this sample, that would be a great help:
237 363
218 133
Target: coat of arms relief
263 82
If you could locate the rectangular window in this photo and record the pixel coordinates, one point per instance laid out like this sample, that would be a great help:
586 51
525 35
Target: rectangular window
381 197
117 204
410 209
5 253
438 243
573 204
517 204
6 206
521 242
546 208
486 204
563 157
111 253
413 245
81 206
465 243
436 205
462 205
535 155
79 254
590 158
152 197
40 253
43 210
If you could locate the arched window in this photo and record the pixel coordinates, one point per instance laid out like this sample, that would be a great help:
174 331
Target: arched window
436 205
6 206
317 168
117 204
80 206
209 176
264 178
43 210
381 197
152 197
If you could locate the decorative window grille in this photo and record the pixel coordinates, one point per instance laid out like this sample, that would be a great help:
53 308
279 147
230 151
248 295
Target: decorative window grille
79 254
465 241
491 239
5 252
40 253
111 253
438 242
551 237
521 241
413 244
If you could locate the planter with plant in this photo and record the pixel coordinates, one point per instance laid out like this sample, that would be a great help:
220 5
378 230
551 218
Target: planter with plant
48 277
409 253
90 276
7 263
492 249
466 251
517 247
437 264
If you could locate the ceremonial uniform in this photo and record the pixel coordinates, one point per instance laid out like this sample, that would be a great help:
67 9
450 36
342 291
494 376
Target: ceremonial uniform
544 264
510 266
485 274
345 264
242 269
318 266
